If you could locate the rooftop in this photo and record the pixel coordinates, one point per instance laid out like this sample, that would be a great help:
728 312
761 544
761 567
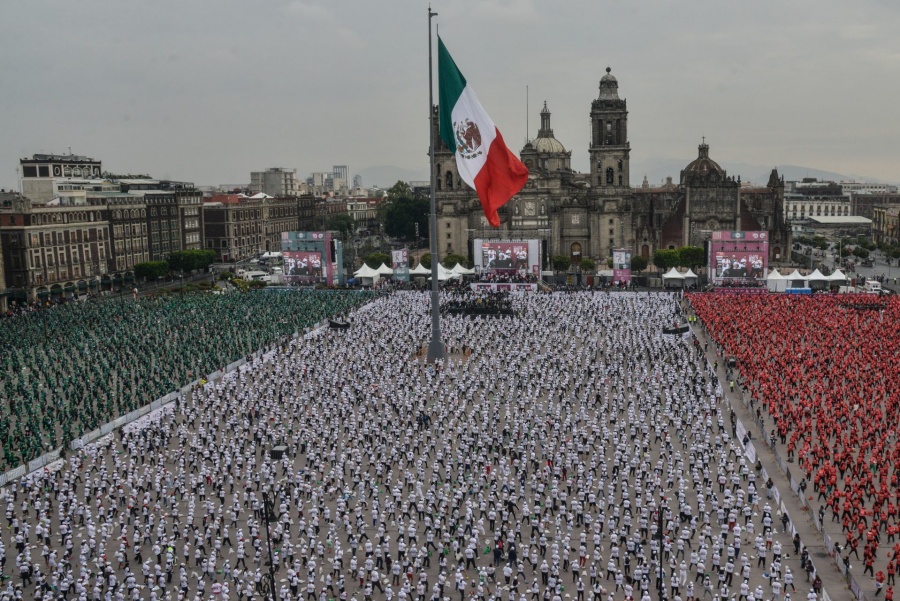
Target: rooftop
848 220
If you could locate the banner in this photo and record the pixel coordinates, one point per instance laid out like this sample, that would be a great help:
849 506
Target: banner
738 258
302 266
621 265
400 260
504 256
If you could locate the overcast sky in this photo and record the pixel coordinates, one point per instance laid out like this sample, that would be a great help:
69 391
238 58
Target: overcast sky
208 90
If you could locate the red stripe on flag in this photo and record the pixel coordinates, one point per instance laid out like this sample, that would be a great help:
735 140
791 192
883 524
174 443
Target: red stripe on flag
501 178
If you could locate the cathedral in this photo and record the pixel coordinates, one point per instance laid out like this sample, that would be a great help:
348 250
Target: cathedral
588 214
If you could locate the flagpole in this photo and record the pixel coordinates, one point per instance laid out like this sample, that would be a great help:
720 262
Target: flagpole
436 349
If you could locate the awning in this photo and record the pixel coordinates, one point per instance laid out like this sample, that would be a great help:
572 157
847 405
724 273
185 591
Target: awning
82 285
69 286
129 276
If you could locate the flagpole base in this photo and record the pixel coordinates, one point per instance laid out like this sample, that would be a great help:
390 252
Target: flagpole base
437 351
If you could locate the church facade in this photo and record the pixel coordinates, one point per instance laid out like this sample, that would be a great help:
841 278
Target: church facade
588 214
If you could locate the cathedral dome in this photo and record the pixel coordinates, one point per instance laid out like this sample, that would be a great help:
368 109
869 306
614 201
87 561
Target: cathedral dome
609 77
703 166
548 145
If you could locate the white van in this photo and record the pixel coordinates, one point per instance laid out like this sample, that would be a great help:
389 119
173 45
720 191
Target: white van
872 287
253 275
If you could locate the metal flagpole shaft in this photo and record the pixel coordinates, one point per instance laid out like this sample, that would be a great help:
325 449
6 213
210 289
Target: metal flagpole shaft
436 349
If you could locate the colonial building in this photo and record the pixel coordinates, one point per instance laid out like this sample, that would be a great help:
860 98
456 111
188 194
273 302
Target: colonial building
239 227
191 218
886 225
49 176
588 214
126 216
863 204
52 251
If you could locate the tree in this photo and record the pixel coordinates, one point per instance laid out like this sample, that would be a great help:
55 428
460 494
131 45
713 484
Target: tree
425 260
151 269
452 259
861 252
691 256
374 260
561 262
190 260
403 210
664 258
343 224
588 265
638 263
845 251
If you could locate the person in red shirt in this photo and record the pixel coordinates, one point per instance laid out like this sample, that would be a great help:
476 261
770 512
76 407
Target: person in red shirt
879 582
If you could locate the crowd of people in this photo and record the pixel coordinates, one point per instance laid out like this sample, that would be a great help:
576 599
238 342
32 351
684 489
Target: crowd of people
576 451
67 369
820 373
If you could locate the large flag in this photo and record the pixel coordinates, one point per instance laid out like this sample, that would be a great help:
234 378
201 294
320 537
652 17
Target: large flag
482 158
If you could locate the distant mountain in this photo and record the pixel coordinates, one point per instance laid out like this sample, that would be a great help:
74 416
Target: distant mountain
657 170
386 176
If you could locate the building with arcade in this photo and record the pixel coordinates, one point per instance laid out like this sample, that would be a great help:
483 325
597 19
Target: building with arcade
589 214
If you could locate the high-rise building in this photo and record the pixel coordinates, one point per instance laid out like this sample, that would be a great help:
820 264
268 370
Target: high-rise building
341 172
357 181
44 174
275 181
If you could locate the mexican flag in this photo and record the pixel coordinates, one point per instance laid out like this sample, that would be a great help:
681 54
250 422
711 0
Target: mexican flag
482 158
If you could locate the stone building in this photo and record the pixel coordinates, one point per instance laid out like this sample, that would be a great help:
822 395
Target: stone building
239 227
52 251
588 214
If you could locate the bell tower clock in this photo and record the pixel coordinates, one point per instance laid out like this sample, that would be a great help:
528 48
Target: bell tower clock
609 149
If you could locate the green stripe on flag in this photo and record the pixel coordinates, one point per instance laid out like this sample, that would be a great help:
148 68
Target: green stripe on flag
451 84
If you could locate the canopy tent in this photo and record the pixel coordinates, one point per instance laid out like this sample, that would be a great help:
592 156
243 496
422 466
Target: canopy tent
776 282
445 274
796 280
817 276
367 276
420 270
837 276
271 255
673 276
796 275
384 270
690 275
459 269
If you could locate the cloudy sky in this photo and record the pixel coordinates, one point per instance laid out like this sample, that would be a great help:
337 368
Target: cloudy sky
208 90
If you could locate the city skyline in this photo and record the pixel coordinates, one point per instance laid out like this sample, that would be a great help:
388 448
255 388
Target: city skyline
212 95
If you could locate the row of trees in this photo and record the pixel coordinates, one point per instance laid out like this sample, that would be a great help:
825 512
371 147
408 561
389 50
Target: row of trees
180 261
686 256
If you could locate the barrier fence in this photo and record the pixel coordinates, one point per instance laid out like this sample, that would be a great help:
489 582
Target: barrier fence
854 586
51 456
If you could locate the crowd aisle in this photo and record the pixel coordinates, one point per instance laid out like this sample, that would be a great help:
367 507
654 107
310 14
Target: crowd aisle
542 467
820 375
68 369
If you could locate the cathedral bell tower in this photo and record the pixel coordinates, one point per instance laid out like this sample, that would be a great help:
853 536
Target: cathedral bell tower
609 150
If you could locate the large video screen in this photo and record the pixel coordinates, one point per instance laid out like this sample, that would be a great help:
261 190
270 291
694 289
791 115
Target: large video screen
740 264
504 256
302 265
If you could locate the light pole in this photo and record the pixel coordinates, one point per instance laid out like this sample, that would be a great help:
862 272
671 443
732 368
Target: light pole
268 582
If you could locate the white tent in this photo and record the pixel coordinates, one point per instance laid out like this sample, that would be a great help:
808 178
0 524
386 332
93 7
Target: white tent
690 275
420 270
367 275
817 276
837 276
673 276
445 274
459 269
796 280
796 276
384 270
776 282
